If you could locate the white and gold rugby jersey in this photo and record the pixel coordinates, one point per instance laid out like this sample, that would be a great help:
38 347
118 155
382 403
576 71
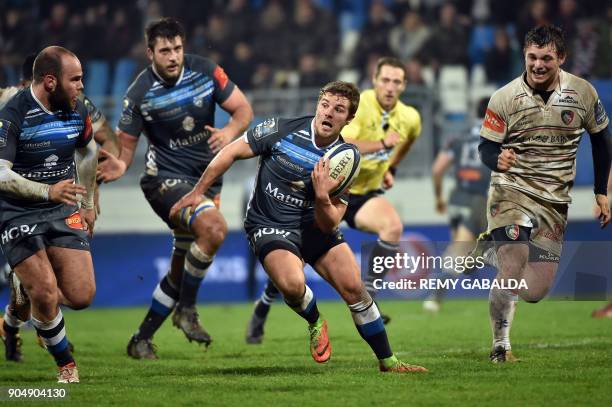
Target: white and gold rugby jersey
545 136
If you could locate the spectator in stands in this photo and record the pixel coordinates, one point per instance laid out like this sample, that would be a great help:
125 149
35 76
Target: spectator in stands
603 60
584 49
414 73
407 40
312 72
313 31
499 60
536 13
374 35
271 29
240 66
449 40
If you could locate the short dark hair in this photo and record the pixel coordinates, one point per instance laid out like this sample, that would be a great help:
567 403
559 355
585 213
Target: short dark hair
49 62
390 61
166 27
546 35
27 68
344 89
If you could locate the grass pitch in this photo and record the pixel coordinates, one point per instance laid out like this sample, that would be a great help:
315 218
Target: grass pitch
565 359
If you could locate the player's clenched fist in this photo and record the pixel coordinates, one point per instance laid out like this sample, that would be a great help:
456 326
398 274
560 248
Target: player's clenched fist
506 160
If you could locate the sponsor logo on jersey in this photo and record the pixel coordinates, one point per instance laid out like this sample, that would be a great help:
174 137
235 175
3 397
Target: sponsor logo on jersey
567 116
265 128
17 231
35 146
74 221
259 233
600 113
126 114
221 77
198 101
4 127
512 231
51 161
568 100
493 121
193 139
289 163
287 198
494 210
188 123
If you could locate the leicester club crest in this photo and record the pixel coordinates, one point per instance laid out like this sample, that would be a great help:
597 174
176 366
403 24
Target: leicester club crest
567 116
512 231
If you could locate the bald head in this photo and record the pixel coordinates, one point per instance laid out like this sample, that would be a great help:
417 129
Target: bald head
49 61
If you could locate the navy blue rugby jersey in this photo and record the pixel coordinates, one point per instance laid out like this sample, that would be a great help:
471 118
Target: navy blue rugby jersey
283 195
41 146
173 116
471 175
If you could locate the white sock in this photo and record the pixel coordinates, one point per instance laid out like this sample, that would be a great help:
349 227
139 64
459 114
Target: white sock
502 304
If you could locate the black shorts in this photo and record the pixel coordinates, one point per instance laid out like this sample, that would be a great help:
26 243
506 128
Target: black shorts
468 209
308 243
22 237
355 203
163 192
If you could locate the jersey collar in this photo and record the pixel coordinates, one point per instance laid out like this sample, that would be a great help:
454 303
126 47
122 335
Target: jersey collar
161 80
530 91
43 108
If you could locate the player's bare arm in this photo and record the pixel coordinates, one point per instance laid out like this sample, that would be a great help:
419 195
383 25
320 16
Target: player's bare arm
442 162
86 160
371 146
17 186
107 139
328 211
241 113
113 168
237 150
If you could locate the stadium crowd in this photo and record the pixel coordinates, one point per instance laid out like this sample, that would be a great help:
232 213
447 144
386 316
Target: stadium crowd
303 43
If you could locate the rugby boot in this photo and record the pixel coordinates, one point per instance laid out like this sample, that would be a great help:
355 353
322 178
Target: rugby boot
605 312
394 365
12 347
255 330
186 319
485 248
320 347
68 373
141 348
499 354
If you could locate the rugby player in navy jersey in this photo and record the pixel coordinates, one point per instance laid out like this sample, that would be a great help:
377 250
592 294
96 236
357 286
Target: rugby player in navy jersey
46 138
17 311
291 218
173 103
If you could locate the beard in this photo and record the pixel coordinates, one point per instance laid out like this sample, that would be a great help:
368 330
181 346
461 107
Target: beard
169 78
60 100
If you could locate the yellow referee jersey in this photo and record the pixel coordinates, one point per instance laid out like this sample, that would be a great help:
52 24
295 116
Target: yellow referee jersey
368 125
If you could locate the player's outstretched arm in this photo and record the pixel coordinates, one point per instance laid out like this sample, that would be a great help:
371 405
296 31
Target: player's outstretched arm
241 114
113 167
438 169
238 150
328 211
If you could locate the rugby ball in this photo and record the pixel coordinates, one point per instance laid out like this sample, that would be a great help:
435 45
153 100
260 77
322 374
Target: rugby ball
344 160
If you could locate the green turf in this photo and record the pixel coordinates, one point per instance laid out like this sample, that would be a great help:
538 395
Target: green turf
566 359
